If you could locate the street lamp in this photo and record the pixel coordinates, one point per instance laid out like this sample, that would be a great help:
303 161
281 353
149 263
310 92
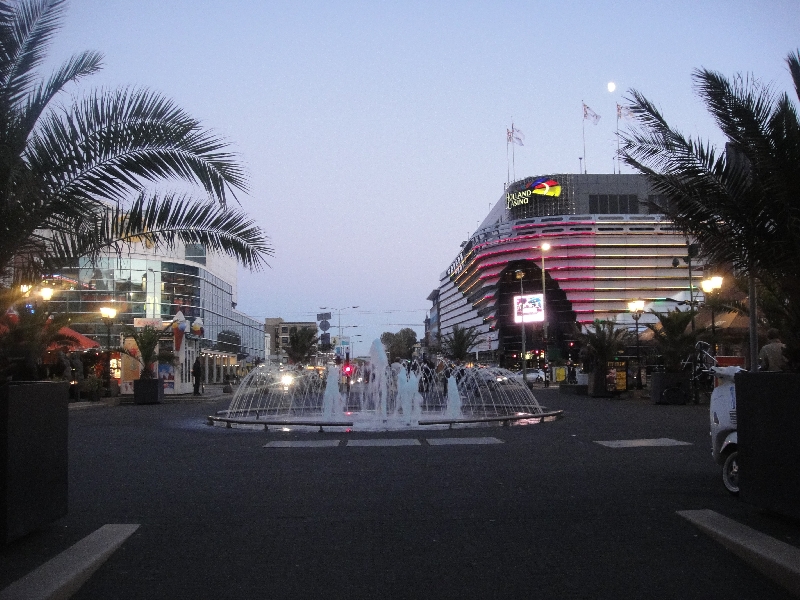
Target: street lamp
107 314
637 307
339 313
46 293
711 286
545 247
520 274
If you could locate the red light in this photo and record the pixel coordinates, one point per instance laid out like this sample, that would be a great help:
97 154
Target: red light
347 370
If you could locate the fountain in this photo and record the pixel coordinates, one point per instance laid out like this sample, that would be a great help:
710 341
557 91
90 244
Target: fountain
382 396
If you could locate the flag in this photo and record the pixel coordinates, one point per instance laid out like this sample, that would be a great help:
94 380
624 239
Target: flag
589 114
623 112
515 136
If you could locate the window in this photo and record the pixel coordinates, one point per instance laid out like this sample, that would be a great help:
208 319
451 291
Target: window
285 329
285 340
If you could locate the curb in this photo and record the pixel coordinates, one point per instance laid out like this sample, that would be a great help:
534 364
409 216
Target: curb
62 576
777 560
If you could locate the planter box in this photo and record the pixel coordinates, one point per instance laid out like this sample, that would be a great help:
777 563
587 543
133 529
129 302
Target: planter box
33 456
768 411
660 381
148 391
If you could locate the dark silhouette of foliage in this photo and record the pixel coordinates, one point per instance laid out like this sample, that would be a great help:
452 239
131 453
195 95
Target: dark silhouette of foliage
457 344
302 345
399 345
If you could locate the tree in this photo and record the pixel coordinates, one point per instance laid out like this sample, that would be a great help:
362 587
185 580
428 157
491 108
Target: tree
301 344
75 179
399 345
742 205
602 341
147 351
671 338
457 344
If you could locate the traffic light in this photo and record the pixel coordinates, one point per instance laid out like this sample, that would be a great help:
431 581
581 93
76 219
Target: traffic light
347 370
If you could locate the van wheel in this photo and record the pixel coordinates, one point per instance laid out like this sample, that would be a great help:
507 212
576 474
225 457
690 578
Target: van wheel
730 473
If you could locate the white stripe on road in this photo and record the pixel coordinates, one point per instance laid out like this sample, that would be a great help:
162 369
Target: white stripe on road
463 441
62 576
642 443
386 442
302 444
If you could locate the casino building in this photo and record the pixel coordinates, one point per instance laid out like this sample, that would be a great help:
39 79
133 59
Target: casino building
606 248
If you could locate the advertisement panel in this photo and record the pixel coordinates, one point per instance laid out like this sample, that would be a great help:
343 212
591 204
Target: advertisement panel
529 308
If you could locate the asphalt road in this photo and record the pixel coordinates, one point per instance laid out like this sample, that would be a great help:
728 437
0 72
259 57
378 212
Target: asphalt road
547 513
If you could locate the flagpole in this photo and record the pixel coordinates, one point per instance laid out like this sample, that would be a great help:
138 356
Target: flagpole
584 136
618 169
513 160
508 164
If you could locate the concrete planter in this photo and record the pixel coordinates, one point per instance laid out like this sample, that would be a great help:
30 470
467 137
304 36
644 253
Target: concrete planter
768 411
33 456
148 391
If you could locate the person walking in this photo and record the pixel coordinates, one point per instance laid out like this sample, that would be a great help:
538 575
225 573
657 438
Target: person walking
197 374
771 357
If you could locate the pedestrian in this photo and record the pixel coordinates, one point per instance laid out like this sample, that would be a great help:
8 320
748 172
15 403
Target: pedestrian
197 374
771 357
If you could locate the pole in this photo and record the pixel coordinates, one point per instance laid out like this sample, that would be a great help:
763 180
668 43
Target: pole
638 355
751 305
543 304
584 139
524 363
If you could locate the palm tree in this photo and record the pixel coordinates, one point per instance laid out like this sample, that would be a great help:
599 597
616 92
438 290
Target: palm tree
75 179
457 344
147 351
602 341
671 338
741 205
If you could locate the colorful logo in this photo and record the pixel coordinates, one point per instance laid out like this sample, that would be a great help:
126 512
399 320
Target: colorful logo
545 187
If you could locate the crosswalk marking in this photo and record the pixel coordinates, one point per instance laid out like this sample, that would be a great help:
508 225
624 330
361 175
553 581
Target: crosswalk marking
302 444
642 443
386 442
463 441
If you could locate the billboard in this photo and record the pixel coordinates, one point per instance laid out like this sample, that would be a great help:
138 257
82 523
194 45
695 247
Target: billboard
529 308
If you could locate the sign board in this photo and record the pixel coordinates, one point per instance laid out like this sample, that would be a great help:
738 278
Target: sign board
154 323
323 317
617 376
324 325
529 308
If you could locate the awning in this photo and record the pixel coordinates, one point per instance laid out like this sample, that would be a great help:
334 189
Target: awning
79 341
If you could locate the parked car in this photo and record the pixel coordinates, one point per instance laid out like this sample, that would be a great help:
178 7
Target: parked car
536 375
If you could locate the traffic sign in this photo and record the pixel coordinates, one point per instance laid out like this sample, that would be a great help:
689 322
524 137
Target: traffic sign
324 325
323 316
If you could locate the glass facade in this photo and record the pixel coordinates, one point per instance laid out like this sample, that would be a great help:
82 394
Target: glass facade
152 288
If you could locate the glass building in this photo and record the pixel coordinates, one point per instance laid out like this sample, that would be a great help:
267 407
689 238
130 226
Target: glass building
143 284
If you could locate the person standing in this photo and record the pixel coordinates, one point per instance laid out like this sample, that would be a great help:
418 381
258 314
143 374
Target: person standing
197 374
771 357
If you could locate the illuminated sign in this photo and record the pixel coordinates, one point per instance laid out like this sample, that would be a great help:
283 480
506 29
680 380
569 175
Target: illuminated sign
529 308
543 186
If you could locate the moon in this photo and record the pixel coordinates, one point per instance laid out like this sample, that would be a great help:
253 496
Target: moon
611 86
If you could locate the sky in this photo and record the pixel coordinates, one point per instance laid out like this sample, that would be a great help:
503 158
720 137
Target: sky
374 132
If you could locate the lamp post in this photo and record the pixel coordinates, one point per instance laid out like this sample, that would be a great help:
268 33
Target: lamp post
107 314
637 307
711 286
545 247
520 274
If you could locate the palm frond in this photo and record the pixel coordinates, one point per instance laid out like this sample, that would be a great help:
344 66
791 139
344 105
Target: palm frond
111 143
26 37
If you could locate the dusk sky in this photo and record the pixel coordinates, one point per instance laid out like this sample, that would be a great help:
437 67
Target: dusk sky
374 133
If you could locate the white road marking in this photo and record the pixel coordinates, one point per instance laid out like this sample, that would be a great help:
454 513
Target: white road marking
386 442
62 576
642 443
463 441
302 444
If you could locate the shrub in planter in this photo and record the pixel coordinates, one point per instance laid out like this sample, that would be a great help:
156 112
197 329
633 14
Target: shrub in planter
602 341
148 389
674 344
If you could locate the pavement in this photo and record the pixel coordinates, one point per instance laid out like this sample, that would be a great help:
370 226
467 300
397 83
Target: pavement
618 499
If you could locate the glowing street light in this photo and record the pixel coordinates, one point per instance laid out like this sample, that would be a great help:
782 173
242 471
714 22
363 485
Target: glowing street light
637 308
711 286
